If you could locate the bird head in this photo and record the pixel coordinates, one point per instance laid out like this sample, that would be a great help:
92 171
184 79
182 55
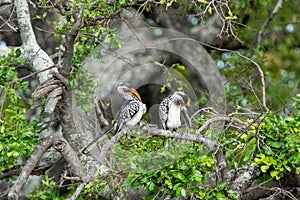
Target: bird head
177 98
127 92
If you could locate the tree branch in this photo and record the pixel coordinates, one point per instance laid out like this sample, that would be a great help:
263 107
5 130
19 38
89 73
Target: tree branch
151 130
233 120
62 146
257 40
69 45
28 168
262 77
70 156
33 53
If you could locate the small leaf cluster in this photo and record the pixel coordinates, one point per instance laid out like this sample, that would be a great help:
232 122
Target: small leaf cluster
95 27
84 84
48 190
279 150
221 191
241 151
18 137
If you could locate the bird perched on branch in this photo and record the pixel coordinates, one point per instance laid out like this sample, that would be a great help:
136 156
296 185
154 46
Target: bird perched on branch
130 113
170 111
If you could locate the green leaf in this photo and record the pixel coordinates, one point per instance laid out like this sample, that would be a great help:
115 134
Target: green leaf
264 168
288 168
2 129
151 186
274 173
209 10
163 89
18 53
183 193
276 144
250 150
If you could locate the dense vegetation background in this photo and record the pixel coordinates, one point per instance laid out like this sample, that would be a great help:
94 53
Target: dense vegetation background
237 61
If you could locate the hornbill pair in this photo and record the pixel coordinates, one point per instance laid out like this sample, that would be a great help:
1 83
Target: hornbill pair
133 108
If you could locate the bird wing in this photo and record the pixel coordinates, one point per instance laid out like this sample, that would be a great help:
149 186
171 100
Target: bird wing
128 111
186 118
163 111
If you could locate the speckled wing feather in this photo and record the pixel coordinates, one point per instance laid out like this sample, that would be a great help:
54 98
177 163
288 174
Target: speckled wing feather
163 111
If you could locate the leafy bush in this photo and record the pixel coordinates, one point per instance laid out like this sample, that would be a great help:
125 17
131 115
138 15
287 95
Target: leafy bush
279 147
18 137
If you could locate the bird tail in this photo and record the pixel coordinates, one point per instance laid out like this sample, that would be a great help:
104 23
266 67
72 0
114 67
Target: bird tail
110 129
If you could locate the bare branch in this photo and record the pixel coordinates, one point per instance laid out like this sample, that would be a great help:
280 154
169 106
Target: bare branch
62 146
10 172
88 177
109 145
233 120
99 112
31 163
53 98
70 156
262 77
257 40
151 130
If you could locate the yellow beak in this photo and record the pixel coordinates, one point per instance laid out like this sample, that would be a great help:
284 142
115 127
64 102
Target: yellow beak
135 93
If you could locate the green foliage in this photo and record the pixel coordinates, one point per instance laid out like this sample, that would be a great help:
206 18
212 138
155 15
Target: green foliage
95 30
277 54
95 187
84 84
94 33
177 171
272 143
18 137
279 150
102 183
47 191
174 77
221 192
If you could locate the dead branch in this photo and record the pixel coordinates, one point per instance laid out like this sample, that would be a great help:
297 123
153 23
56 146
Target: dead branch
111 142
54 88
88 177
262 77
53 99
234 121
27 169
151 130
46 88
61 145
10 172
70 156
99 113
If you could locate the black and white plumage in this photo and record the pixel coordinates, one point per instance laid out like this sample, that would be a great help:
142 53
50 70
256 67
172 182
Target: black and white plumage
170 111
130 113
